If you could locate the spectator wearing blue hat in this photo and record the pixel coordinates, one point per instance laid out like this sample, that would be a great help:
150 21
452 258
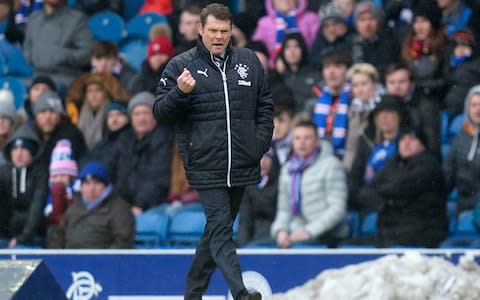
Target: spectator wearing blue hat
23 190
99 218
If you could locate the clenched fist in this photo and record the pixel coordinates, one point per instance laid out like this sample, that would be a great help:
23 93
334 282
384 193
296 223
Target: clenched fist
185 81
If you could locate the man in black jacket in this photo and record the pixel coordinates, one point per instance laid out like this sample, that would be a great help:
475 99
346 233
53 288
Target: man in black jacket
219 99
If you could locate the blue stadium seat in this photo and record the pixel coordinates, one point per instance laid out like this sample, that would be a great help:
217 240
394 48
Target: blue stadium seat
353 220
456 125
186 227
369 224
151 229
139 26
465 234
134 51
131 8
465 223
17 87
13 62
107 26
444 127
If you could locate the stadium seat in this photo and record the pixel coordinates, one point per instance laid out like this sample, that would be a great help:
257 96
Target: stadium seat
107 26
151 229
465 234
353 220
369 224
456 125
465 223
131 8
134 51
17 87
186 227
12 61
139 26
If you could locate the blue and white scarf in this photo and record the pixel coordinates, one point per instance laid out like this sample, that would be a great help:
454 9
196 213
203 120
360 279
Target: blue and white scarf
89 205
380 154
295 169
340 122
284 24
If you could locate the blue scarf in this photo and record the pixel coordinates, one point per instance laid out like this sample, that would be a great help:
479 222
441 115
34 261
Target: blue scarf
380 154
455 61
284 24
340 122
91 205
25 9
295 169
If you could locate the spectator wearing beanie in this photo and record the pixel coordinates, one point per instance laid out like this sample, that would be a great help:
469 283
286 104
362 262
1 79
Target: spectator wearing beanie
39 85
158 54
52 125
8 119
117 122
23 182
63 170
140 161
99 218
461 72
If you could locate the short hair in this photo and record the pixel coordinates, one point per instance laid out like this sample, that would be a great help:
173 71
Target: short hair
192 9
104 49
218 11
337 58
305 122
397 66
363 68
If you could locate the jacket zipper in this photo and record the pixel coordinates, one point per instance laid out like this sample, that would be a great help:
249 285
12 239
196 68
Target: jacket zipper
227 107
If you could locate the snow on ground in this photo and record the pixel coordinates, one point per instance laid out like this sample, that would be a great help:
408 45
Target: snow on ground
411 276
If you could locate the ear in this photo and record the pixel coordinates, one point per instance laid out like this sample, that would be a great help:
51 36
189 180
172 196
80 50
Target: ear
200 29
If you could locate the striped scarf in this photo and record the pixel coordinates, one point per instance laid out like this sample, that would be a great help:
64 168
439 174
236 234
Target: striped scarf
284 24
327 118
25 9
295 169
379 156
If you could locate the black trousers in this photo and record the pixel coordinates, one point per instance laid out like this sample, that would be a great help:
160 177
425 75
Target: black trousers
216 247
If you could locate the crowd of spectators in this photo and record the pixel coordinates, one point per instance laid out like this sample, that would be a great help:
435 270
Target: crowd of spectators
359 88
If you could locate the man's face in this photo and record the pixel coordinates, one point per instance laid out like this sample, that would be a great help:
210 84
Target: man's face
92 189
304 142
282 125
36 90
366 25
409 146
104 65
116 120
216 34
21 157
332 29
47 121
474 109
334 76
363 87
387 121
6 126
292 52
399 84
143 121
463 50
189 25
95 96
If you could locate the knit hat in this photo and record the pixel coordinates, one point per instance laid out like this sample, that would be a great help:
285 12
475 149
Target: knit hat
464 37
142 98
430 10
94 170
62 161
48 101
392 103
367 7
23 137
417 132
331 11
121 107
6 95
162 45
7 109
45 80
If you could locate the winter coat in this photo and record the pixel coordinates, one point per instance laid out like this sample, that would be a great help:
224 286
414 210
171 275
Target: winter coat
140 169
103 149
413 201
223 130
147 79
109 225
322 47
58 45
323 194
23 193
462 166
266 32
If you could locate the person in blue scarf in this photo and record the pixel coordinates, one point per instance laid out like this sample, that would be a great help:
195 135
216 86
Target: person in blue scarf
312 193
98 218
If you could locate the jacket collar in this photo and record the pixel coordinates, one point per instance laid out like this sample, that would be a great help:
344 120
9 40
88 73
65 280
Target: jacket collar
206 53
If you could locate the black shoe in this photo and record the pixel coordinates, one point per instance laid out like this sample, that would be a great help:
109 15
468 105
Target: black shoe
254 295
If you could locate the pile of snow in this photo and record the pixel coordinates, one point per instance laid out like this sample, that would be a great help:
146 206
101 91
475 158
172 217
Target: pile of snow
392 277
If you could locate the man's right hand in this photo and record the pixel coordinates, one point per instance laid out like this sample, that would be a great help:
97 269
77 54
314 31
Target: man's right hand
185 81
283 239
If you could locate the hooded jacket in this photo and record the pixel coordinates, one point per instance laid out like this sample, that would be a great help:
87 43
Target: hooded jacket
23 192
462 166
225 124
